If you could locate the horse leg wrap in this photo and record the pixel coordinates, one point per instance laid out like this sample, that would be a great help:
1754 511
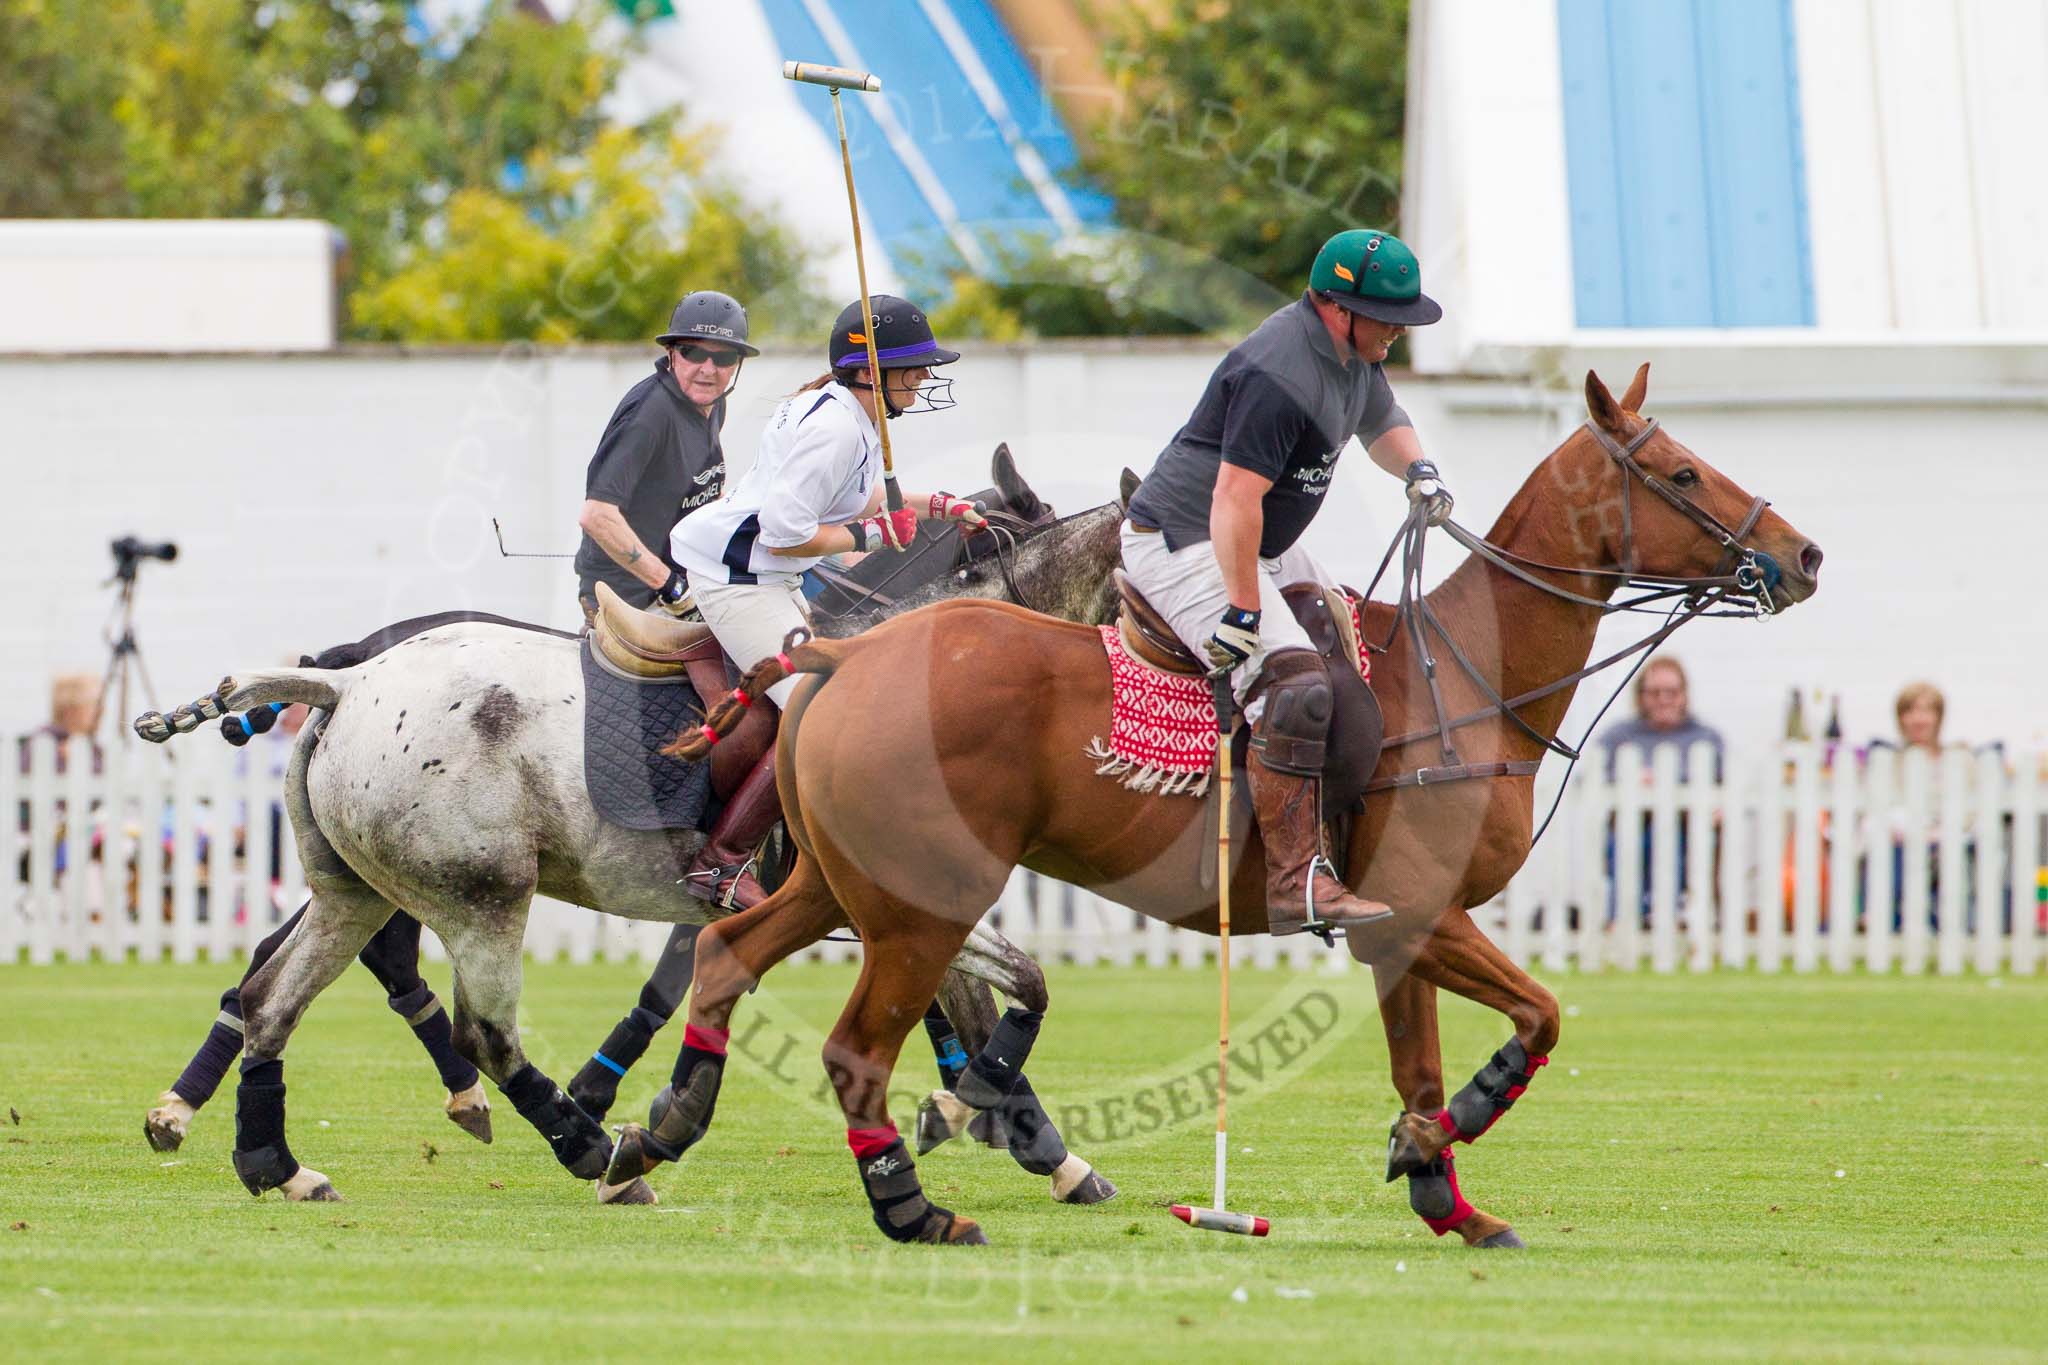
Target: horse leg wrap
1034 1143
681 1113
572 1135
945 1046
1491 1093
263 1159
996 1068
1433 1194
596 1086
421 1009
202 1075
890 1178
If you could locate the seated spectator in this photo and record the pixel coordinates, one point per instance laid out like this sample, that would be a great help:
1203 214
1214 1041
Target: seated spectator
1663 716
1920 709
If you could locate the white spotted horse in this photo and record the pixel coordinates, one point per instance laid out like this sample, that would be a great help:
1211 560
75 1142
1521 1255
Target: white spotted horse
490 710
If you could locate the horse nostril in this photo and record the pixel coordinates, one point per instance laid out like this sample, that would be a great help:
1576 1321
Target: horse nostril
1809 560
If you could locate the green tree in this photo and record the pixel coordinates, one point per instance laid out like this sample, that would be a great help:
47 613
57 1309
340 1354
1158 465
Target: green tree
1252 131
486 144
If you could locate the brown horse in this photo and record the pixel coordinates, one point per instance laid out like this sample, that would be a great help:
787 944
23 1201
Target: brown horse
998 704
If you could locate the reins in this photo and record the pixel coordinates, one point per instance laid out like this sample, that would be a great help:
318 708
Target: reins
1741 571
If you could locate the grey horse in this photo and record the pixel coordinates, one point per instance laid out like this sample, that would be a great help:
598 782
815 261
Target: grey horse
444 777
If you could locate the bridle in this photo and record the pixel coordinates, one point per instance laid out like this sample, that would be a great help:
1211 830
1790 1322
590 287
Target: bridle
1741 585
1000 539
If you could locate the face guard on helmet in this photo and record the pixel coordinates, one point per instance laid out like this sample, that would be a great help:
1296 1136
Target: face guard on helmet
903 341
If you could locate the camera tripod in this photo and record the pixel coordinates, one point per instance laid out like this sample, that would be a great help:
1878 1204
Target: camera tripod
124 652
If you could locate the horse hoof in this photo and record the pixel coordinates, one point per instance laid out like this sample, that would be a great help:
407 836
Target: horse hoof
1405 1153
940 1117
1093 1189
634 1191
630 1158
308 1186
965 1232
471 1112
166 1125
1504 1240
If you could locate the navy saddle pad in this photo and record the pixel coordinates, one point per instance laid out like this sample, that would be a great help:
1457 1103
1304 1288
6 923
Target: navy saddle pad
625 724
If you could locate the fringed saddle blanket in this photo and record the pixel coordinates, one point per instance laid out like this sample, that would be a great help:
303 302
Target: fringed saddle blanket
1162 727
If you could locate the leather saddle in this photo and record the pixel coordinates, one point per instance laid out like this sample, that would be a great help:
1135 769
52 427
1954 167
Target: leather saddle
1357 727
652 646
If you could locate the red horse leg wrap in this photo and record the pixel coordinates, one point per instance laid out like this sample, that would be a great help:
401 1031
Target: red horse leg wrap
1491 1093
867 1142
711 1040
1433 1193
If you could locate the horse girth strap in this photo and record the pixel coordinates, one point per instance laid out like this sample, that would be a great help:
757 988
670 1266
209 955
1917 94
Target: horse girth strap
1460 772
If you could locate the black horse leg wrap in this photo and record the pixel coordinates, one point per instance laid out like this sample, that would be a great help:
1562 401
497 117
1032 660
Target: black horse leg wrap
596 1085
901 1210
263 1159
945 1045
422 1012
202 1075
997 1066
1491 1093
1034 1143
681 1113
572 1135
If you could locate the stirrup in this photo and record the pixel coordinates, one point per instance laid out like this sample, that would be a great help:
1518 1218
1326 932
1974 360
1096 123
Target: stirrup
1315 924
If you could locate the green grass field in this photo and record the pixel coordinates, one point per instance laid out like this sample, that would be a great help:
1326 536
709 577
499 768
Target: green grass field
1675 1172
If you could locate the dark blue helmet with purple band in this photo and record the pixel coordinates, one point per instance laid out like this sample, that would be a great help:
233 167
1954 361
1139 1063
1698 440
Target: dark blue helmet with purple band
903 338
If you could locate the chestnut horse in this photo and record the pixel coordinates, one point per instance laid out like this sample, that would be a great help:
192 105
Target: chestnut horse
999 703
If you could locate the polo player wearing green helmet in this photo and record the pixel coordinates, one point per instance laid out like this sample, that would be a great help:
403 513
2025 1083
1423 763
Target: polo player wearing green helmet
1212 533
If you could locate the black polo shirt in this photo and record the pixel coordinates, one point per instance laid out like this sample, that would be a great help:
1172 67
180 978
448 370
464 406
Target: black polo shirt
1281 405
658 459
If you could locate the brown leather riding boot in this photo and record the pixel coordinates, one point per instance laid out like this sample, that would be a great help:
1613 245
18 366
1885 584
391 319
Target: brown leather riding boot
723 870
1288 747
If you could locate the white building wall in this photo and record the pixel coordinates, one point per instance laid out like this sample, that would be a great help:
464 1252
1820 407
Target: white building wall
316 499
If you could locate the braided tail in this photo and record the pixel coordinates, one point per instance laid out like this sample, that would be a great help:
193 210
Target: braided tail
801 653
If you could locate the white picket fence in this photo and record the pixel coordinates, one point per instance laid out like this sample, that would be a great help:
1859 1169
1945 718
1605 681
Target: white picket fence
1896 863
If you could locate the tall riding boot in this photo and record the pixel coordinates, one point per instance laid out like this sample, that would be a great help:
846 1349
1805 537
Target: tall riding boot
1288 747
722 871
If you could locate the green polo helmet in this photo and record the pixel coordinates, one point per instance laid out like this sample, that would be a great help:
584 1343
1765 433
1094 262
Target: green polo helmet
1375 275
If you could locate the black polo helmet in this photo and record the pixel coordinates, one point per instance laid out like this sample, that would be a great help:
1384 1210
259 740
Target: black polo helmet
903 338
708 315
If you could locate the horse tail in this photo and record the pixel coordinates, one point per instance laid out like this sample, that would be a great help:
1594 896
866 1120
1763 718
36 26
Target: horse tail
269 690
801 653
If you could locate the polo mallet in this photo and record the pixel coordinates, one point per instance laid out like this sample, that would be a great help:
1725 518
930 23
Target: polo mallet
837 78
1219 1219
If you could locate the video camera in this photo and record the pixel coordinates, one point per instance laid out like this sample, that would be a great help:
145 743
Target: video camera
130 552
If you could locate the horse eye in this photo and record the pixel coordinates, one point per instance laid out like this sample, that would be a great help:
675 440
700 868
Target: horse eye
1686 478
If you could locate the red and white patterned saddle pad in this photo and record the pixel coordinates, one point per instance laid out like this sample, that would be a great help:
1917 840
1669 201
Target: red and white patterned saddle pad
1162 726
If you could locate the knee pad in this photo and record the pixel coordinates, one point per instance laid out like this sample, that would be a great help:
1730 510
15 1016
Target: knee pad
1293 732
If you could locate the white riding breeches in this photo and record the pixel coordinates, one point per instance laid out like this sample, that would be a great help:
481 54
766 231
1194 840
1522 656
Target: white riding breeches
1186 587
751 620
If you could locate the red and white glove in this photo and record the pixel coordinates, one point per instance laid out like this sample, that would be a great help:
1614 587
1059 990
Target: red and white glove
895 529
946 507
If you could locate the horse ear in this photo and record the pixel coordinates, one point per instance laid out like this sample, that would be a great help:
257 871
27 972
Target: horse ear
1632 401
1017 494
1127 486
1600 404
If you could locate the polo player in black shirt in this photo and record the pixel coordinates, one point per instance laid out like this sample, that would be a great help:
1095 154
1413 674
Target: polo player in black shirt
1212 532
660 457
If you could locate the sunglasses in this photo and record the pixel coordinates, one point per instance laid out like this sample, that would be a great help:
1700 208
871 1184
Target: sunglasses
697 355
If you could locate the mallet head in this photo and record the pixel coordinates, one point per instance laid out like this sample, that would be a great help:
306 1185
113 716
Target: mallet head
810 73
1221 1220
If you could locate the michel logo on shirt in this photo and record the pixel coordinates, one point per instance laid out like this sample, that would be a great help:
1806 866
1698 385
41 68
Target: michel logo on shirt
1315 477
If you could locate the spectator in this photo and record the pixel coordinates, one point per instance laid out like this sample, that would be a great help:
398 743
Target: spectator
74 704
1920 709
1663 716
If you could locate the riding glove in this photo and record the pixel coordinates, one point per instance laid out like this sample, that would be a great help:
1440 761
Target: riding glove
675 598
1426 486
1237 635
946 507
894 529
